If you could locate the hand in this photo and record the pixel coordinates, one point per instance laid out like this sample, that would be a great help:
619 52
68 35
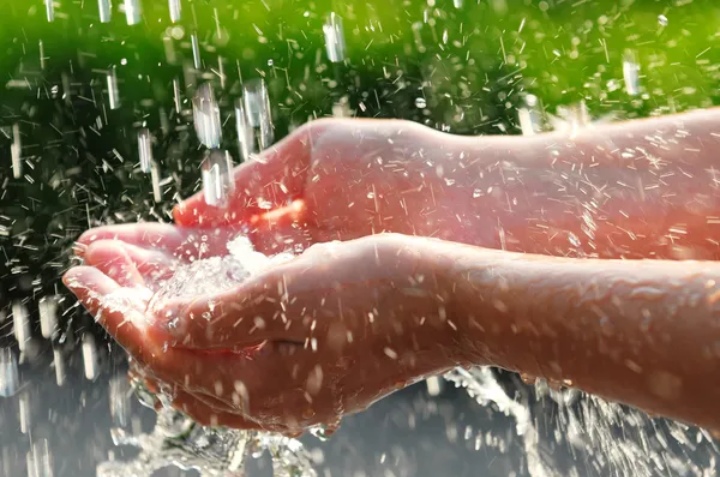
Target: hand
344 179
341 326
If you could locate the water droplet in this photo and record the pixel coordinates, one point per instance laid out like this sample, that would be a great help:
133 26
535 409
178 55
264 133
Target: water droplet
39 460
631 73
257 109
195 43
60 369
245 132
21 324
434 386
16 152
217 177
175 7
155 180
420 102
206 117
48 310
145 149
90 357
112 86
334 38
50 10
105 11
9 379
133 12
24 406
662 20
529 116
119 395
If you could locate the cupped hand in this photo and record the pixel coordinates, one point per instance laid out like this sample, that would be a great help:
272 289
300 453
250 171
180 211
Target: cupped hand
336 179
300 344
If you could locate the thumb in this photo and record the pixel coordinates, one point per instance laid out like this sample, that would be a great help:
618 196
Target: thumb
272 180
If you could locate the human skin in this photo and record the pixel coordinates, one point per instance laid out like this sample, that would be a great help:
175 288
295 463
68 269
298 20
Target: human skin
396 308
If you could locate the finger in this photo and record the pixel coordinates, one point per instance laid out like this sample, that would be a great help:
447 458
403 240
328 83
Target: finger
207 415
117 309
183 243
111 258
155 266
271 181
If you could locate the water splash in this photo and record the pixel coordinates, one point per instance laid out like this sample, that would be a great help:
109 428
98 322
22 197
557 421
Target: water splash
178 441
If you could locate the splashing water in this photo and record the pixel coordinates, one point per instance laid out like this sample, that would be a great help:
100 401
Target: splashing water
176 440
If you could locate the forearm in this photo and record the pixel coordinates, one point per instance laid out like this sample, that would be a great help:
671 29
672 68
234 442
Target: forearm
645 333
638 189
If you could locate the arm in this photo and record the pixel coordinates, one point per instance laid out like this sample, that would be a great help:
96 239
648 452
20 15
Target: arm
645 333
637 189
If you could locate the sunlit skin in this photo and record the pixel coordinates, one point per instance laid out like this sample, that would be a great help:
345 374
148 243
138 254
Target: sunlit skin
520 252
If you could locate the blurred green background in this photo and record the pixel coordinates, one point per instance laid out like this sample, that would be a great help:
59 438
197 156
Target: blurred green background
463 66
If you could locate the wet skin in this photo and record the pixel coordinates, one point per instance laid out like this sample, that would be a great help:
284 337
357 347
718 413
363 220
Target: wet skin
400 298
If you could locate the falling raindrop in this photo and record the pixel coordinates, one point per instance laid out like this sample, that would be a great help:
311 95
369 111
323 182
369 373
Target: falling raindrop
39 460
16 152
119 395
105 10
177 99
529 116
145 149
48 310
21 324
217 177
112 86
155 179
90 357
59 363
434 386
334 38
133 12
195 43
257 109
24 405
50 10
662 20
631 72
244 131
175 10
206 117
9 379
